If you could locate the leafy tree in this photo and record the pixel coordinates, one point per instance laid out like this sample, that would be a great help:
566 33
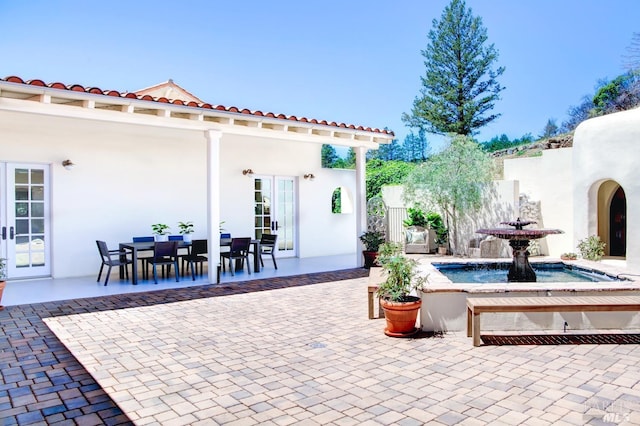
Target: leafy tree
388 152
503 142
454 180
460 86
416 147
329 156
577 114
620 94
380 173
550 129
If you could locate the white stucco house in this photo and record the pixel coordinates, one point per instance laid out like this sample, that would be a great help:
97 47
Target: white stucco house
161 155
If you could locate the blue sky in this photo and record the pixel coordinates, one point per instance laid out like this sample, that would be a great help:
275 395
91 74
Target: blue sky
356 61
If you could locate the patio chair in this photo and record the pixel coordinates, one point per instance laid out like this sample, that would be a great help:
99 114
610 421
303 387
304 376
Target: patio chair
267 247
143 258
199 248
112 258
238 251
165 253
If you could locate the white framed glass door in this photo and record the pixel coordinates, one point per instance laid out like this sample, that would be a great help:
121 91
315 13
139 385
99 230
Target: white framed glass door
275 211
24 220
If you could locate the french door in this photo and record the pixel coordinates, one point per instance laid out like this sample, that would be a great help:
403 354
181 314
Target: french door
275 211
24 220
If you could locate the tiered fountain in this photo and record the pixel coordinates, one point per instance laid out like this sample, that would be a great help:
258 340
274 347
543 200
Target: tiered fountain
520 270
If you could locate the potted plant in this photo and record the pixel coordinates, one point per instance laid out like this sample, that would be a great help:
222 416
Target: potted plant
372 241
3 277
402 278
186 229
591 248
441 240
568 256
161 231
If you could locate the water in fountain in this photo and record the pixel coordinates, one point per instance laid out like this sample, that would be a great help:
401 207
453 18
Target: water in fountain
520 270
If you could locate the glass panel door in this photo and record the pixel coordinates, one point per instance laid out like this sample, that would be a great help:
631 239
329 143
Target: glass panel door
26 229
274 211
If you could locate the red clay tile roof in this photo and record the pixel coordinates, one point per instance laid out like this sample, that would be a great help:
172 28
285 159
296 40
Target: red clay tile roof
96 90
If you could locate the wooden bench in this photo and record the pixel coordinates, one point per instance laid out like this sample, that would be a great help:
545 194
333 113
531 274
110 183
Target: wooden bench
375 277
479 305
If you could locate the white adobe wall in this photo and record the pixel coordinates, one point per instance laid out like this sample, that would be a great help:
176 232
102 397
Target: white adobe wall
321 232
608 148
548 179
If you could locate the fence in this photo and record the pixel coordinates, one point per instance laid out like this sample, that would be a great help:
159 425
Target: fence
395 217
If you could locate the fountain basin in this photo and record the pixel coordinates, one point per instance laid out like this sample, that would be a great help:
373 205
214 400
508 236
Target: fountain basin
444 302
550 272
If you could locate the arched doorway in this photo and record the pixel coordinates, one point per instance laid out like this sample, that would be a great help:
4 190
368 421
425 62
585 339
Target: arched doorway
618 224
612 218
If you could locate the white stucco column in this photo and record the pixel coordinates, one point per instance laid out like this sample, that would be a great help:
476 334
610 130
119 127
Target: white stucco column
361 196
213 201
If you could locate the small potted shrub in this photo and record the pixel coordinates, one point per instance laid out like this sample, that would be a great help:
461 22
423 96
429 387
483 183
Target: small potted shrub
186 229
591 248
402 278
372 241
568 256
161 231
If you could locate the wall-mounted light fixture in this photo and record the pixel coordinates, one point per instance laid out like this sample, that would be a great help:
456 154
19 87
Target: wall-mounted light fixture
68 164
247 172
309 176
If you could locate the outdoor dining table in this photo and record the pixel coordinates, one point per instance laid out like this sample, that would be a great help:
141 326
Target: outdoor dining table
134 248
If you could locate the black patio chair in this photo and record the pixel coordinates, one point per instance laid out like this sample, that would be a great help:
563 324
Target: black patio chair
165 253
112 258
196 255
238 251
267 247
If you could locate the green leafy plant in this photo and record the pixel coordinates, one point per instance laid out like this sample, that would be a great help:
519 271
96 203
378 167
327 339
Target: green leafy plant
416 217
402 274
569 256
435 222
3 269
185 227
372 240
591 248
160 229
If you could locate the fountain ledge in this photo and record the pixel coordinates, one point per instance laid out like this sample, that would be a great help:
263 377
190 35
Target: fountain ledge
444 302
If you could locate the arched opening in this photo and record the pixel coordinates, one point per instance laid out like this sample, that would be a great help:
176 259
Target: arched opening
618 224
341 201
612 218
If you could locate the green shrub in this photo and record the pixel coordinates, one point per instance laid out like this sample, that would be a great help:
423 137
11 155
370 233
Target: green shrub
591 248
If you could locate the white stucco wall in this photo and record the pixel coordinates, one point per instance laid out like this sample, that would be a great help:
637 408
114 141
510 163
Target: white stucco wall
128 177
548 179
606 148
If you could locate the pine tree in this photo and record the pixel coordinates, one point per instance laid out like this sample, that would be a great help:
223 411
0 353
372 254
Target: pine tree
460 86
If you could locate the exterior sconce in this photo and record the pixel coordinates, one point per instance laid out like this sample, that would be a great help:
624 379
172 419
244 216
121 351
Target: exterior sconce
309 176
247 172
68 164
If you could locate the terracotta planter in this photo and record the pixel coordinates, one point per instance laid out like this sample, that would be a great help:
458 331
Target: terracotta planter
2 286
370 258
401 317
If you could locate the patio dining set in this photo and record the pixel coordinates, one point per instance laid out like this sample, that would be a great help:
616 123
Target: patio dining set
183 256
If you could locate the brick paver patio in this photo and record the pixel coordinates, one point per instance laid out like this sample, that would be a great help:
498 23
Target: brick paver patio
296 354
